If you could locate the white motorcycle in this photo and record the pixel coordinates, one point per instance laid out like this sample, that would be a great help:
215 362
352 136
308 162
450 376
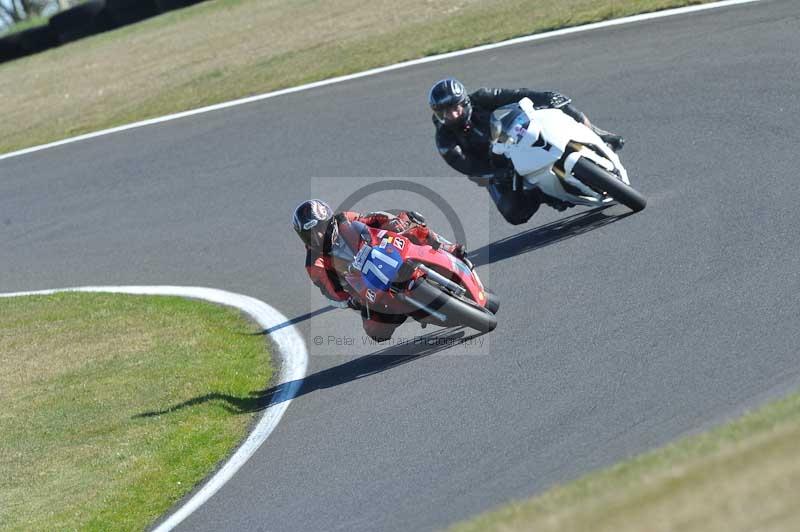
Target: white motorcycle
565 159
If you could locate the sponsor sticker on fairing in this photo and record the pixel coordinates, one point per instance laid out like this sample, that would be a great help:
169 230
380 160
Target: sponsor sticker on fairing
371 295
388 240
399 243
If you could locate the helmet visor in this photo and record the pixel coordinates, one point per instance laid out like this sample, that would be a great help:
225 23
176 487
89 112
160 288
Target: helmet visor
450 114
314 236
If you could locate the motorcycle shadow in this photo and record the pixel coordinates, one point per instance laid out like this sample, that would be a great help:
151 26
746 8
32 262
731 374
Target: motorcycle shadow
295 321
352 370
547 234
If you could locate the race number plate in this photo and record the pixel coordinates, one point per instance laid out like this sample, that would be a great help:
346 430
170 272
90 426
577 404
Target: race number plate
361 257
381 267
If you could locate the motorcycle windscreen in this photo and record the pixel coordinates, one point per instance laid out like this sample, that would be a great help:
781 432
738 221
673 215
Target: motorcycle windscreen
381 267
508 124
346 238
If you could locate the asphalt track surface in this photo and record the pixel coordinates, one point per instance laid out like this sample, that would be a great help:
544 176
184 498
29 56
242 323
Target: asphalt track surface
617 334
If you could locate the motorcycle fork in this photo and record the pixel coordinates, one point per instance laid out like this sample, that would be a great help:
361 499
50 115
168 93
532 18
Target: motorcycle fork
516 182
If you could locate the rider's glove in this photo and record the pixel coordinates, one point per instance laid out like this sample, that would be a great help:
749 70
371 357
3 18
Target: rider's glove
397 225
415 217
434 242
558 100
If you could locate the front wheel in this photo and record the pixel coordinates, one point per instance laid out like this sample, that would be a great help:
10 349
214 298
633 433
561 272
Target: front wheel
602 180
492 302
456 311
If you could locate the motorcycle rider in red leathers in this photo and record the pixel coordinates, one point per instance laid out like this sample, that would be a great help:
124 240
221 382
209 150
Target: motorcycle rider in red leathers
313 221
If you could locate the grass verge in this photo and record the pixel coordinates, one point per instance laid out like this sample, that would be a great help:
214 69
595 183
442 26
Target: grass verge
32 22
742 476
225 49
96 432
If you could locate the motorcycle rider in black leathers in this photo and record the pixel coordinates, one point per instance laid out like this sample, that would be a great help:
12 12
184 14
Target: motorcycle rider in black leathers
463 140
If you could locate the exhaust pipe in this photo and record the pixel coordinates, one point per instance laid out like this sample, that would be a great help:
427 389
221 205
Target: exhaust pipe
426 309
442 280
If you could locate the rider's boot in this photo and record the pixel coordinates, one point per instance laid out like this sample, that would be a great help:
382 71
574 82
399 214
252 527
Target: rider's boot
615 142
457 250
556 203
460 252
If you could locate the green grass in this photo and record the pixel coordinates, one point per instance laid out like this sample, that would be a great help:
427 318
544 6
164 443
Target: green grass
742 476
225 49
96 430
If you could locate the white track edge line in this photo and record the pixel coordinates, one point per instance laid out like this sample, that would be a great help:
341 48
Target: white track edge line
429 59
294 361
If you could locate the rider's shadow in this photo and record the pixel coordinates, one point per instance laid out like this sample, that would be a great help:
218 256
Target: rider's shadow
545 235
359 368
379 361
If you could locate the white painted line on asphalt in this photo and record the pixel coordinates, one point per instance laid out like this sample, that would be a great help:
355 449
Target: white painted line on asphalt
294 361
388 68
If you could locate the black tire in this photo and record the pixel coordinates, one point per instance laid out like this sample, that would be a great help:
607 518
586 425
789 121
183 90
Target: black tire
81 21
601 179
457 311
492 302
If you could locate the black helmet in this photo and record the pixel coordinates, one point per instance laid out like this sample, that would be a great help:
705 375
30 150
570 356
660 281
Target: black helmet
450 103
311 220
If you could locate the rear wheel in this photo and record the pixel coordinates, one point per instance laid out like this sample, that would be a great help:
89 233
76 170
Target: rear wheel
456 311
602 180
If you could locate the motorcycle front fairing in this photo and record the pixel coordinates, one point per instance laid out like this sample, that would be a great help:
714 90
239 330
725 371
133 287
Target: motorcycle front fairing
535 145
451 267
534 149
559 130
407 252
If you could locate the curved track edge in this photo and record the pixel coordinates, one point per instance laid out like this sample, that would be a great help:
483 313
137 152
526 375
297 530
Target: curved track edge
388 68
293 364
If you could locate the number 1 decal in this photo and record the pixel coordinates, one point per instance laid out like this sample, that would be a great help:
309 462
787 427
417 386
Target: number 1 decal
371 267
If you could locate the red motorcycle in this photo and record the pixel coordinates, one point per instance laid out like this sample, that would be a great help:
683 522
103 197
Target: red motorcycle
390 274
